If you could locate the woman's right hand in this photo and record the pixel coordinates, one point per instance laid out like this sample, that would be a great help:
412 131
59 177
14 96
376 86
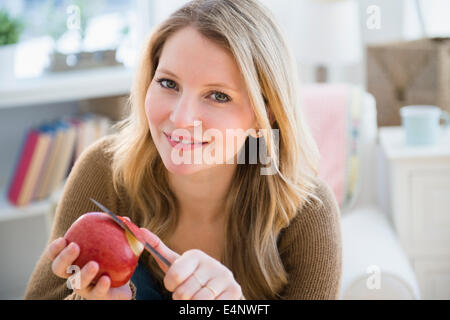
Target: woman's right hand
63 255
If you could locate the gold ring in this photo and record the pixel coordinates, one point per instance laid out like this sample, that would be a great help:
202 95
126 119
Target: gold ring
212 290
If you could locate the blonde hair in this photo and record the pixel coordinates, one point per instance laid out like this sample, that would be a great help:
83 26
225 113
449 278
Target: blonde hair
259 206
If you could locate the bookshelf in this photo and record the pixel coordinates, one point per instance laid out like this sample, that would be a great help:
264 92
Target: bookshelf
28 102
67 86
35 208
10 212
24 230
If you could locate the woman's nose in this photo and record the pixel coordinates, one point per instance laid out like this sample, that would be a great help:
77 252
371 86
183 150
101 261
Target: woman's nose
185 112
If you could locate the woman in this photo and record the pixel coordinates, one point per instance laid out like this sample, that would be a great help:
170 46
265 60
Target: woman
232 228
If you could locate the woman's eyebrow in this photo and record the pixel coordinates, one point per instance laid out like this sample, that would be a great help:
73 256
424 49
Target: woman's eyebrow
167 71
208 85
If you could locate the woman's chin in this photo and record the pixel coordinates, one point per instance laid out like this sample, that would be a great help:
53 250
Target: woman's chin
182 168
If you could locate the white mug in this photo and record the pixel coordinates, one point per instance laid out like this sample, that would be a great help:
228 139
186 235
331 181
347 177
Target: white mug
421 124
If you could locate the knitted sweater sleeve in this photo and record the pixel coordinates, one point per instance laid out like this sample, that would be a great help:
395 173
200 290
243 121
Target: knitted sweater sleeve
89 177
311 249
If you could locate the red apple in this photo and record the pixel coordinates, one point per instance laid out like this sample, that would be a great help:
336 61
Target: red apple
134 228
102 240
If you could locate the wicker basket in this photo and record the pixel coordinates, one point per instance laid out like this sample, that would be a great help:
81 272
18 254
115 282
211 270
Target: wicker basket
407 73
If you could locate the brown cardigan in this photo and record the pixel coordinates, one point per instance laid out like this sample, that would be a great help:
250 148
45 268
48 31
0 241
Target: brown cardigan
313 259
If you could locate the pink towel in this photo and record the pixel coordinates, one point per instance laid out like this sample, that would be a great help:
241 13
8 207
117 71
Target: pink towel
326 110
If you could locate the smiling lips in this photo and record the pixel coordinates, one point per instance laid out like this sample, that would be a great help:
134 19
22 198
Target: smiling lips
183 142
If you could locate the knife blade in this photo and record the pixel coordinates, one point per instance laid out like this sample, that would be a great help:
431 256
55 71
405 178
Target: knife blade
116 219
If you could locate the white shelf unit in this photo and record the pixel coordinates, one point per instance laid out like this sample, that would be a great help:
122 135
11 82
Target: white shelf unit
11 212
24 231
67 86
416 191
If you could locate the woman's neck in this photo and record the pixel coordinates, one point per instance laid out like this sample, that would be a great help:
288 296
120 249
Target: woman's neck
202 195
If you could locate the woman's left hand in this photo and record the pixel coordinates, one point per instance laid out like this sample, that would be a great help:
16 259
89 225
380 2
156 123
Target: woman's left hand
194 275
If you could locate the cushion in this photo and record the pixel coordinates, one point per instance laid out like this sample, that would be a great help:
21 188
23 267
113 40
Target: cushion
333 112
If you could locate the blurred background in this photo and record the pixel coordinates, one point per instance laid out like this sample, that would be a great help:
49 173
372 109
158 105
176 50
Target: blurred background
66 68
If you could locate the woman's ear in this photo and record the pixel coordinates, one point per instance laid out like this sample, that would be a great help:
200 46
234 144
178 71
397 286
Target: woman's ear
255 132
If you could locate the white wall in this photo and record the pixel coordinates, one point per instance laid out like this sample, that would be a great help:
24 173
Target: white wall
436 19
391 21
398 21
163 8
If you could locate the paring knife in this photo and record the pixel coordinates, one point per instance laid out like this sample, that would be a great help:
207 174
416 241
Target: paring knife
116 219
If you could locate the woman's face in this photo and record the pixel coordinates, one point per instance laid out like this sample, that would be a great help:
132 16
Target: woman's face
198 96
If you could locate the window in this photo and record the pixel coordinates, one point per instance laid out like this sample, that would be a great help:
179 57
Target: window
72 26
435 18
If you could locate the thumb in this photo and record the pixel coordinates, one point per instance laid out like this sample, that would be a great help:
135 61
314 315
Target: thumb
154 241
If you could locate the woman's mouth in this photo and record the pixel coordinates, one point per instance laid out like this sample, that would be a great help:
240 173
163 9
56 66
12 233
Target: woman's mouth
183 143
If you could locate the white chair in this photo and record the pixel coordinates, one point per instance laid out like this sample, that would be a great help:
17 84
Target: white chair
374 264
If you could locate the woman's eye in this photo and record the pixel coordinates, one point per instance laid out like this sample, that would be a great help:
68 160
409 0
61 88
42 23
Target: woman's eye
217 96
165 83
220 97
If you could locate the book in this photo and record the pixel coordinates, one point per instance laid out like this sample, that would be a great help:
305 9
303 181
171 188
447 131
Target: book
51 129
48 153
40 151
86 133
89 127
75 122
23 164
61 167
103 127
42 189
90 131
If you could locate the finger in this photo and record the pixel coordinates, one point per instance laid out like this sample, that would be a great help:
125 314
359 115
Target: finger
180 270
215 278
103 291
88 273
233 292
55 248
195 262
121 293
208 268
65 259
187 289
204 294
215 286
159 246
101 288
